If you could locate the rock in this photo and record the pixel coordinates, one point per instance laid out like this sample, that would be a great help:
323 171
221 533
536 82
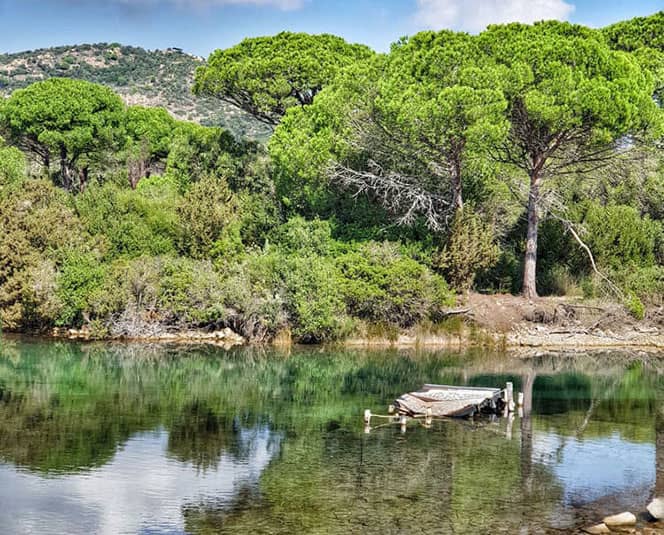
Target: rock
597 530
623 519
656 508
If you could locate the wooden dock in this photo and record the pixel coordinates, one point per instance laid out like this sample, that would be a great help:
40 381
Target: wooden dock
451 401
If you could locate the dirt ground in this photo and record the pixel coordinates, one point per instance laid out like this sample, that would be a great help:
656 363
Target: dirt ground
560 321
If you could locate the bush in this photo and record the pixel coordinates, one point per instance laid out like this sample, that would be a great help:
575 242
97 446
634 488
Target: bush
37 226
380 284
619 236
255 297
315 306
204 212
470 249
12 164
162 292
132 223
636 307
299 236
81 275
645 283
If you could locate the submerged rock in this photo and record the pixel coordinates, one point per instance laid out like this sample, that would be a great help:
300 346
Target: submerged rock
623 519
656 508
597 530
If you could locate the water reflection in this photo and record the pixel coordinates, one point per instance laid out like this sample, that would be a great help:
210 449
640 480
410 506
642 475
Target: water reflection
140 490
128 439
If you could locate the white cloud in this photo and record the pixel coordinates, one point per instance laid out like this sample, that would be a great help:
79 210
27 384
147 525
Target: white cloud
475 15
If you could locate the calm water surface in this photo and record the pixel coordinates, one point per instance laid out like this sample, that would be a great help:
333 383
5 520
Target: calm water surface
114 439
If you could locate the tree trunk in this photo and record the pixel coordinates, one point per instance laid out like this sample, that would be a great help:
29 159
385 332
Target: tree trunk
529 289
457 188
65 175
526 463
83 178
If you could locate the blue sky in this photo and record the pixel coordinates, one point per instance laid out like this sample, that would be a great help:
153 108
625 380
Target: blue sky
200 26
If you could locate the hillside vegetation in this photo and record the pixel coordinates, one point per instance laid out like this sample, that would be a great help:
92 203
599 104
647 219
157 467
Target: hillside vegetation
527 159
141 77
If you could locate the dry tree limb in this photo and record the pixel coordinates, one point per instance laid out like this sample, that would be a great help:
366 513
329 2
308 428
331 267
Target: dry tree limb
570 228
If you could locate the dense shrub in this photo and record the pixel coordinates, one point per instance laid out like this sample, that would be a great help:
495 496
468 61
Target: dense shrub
37 223
304 237
470 249
619 236
160 292
132 223
380 284
314 303
204 211
12 164
81 276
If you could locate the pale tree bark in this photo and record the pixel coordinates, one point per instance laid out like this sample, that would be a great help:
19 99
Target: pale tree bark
529 288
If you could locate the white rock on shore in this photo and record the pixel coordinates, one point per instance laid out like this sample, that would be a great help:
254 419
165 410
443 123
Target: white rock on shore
656 508
599 529
623 519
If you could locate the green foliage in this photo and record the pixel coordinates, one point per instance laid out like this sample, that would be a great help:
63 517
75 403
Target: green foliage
204 212
470 249
619 237
637 33
636 307
314 303
643 37
12 164
132 222
266 76
80 276
148 292
380 284
298 236
37 223
196 151
69 120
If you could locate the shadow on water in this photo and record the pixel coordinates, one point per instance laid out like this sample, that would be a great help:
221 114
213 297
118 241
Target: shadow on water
111 438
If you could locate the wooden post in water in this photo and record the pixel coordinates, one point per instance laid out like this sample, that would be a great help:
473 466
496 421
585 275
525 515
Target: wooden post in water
367 417
403 420
519 399
428 418
509 396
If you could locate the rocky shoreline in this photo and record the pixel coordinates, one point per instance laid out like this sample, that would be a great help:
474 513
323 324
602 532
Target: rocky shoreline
465 338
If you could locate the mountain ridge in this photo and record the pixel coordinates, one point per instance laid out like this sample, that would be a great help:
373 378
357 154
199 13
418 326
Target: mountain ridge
140 76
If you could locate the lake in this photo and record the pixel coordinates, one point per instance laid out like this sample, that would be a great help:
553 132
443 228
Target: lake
132 438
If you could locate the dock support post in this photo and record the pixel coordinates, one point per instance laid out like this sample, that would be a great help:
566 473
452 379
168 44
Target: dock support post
510 422
509 396
367 417
403 420
519 399
428 418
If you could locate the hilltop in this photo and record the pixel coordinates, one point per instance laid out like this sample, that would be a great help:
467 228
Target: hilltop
145 77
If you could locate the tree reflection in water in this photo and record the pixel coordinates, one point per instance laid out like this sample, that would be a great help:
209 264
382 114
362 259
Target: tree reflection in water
284 431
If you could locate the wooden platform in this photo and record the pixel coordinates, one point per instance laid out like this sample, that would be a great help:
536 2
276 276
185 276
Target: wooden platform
451 401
